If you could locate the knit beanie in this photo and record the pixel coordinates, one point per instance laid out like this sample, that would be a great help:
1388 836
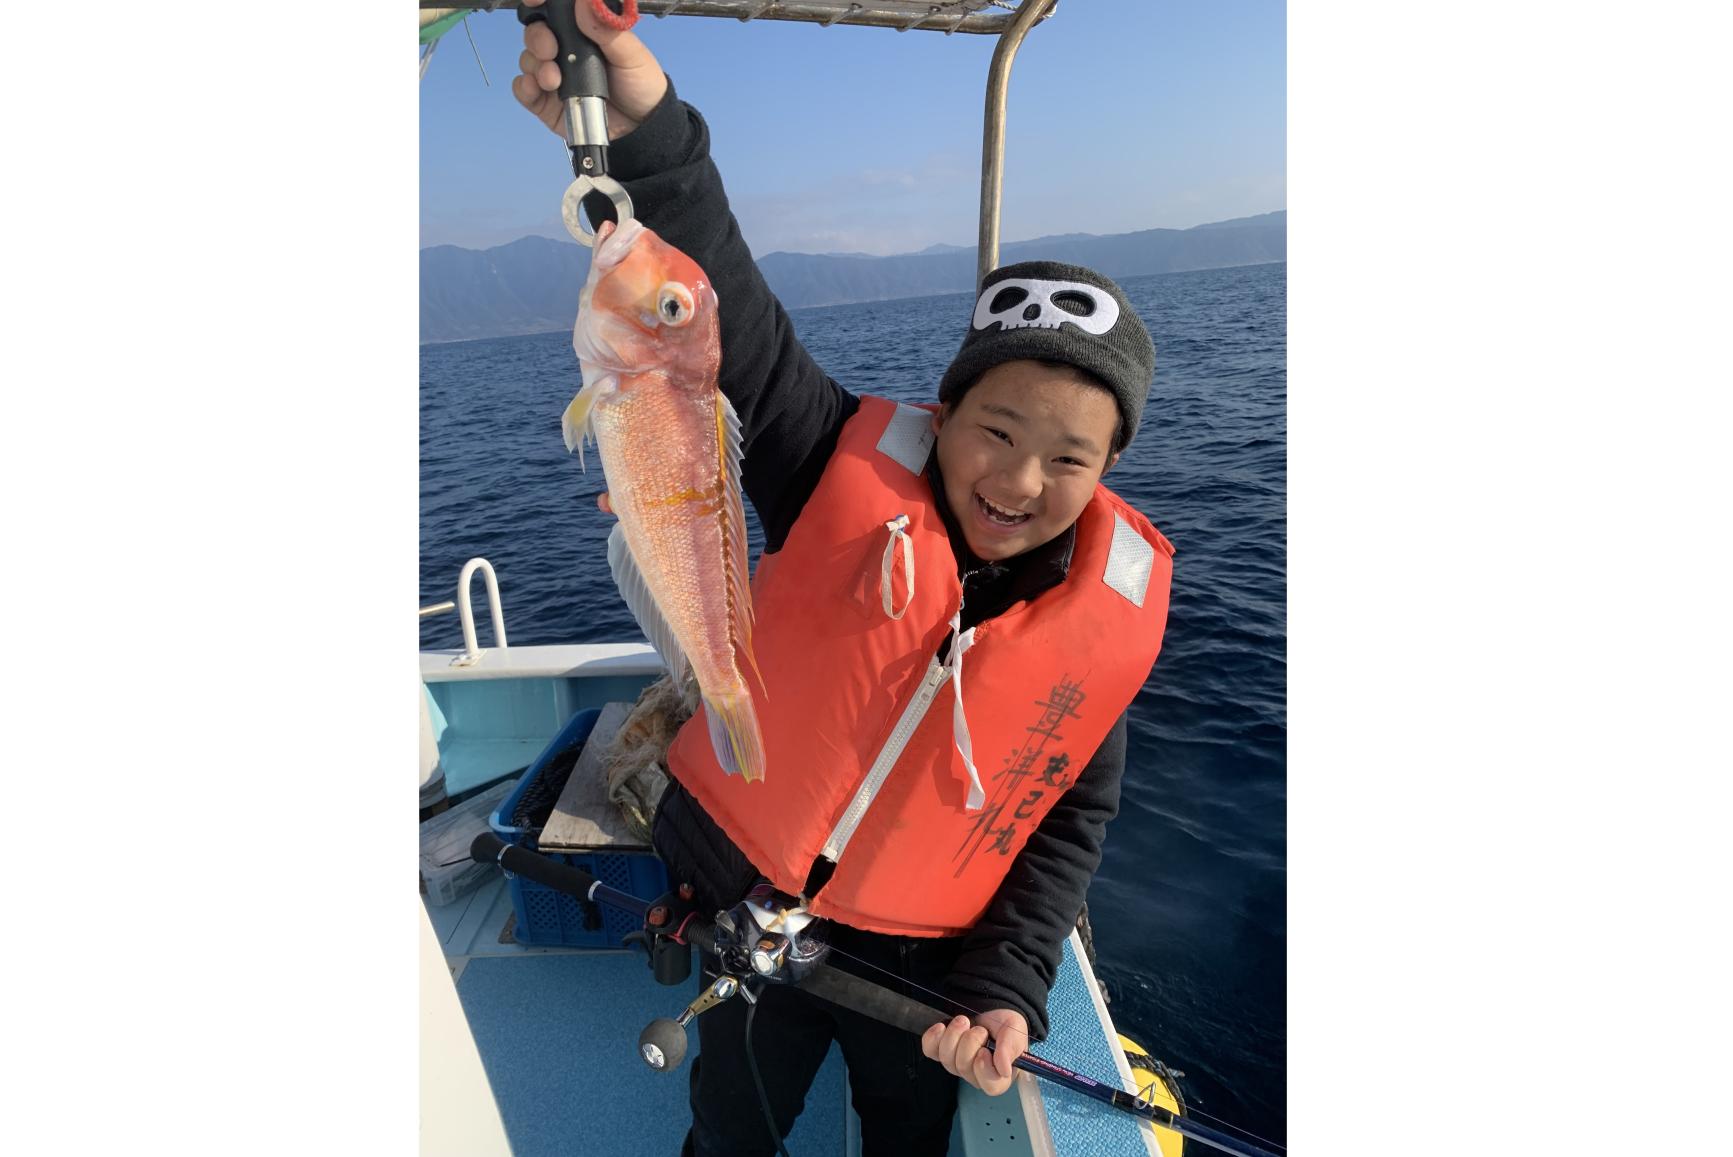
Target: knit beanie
1050 311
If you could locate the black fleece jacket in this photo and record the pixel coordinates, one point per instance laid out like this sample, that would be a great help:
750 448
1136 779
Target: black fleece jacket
791 413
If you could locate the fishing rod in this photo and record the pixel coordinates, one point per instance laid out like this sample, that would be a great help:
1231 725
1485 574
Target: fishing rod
769 938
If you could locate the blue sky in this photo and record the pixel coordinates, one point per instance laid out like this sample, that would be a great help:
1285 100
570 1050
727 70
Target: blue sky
1124 114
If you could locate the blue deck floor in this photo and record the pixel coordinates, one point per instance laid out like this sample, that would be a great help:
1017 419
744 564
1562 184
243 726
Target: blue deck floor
558 1036
557 1031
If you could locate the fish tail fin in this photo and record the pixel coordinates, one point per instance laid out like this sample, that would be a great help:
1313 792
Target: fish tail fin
734 734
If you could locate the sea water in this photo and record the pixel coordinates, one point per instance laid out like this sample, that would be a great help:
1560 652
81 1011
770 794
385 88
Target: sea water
1189 906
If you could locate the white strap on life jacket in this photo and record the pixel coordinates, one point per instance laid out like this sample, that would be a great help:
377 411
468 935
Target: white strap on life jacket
961 641
897 526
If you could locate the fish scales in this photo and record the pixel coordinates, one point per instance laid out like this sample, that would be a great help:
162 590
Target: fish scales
674 526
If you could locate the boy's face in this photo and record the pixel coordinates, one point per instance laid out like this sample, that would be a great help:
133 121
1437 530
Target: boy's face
1021 454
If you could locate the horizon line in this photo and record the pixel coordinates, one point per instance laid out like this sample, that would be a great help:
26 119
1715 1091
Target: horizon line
884 256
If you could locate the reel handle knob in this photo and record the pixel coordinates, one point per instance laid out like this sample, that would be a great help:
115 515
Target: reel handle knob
662 1044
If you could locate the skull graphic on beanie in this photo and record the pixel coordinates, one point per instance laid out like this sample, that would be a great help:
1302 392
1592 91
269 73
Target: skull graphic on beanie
1017 302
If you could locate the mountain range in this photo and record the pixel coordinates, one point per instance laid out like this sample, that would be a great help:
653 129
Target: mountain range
531 285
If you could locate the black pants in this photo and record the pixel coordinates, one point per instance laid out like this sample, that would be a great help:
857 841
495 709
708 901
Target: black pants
905 1101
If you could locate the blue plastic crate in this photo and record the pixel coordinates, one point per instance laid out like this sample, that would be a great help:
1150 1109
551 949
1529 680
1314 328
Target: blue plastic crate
546 918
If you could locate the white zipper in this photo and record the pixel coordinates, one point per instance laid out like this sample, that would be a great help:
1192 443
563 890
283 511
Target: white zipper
888 755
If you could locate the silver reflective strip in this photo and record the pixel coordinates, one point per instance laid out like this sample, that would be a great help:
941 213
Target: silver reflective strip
909 438
1129 561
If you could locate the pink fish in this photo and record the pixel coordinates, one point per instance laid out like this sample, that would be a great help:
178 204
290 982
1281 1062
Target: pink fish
648 343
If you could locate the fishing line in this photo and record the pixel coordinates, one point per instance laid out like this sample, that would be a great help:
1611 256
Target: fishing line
477 52
752 1063
1192 1111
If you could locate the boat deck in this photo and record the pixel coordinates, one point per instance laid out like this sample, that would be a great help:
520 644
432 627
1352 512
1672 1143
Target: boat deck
557 1030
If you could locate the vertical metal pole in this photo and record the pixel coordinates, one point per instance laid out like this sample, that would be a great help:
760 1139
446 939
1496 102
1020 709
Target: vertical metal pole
993 133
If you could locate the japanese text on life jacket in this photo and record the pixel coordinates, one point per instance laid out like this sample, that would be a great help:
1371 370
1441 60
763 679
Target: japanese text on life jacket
985 831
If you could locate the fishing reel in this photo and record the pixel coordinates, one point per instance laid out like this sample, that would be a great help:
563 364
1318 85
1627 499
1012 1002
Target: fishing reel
767 938
770 935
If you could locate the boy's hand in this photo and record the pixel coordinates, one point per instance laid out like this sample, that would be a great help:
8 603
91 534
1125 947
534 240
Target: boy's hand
961 1047
635 81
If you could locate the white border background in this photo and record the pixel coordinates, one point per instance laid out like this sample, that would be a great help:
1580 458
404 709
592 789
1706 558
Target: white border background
1508 636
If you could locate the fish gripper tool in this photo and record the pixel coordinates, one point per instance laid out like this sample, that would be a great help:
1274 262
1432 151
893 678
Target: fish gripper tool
584 90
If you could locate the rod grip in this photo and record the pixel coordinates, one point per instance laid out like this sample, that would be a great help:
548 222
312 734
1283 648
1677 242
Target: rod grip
871 999
488 848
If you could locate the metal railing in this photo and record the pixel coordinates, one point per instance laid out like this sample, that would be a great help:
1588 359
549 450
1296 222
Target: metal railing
466 613
991 18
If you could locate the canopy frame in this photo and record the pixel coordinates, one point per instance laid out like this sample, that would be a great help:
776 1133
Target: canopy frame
1010 23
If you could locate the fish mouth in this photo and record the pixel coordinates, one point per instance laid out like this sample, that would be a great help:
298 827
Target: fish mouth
598 339
613 242
1001 516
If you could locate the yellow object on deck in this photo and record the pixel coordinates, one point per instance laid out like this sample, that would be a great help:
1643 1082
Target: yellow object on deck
1156 1087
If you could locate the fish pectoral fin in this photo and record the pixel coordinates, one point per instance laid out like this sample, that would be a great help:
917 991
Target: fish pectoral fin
643 606
575 422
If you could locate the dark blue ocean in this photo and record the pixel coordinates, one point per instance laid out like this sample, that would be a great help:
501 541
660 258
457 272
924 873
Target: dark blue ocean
1190 905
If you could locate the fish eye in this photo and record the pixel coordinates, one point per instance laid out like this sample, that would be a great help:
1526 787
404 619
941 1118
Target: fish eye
674 304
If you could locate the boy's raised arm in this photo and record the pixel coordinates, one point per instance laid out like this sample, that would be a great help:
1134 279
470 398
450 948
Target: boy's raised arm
790 410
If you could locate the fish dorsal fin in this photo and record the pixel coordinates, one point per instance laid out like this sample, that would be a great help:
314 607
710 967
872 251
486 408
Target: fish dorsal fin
738 575
643 607
575 422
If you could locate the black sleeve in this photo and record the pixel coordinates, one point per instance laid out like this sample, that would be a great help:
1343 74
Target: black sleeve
790 410
1011 957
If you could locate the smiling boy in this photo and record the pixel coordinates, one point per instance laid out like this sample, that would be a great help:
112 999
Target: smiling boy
952 617
1022 451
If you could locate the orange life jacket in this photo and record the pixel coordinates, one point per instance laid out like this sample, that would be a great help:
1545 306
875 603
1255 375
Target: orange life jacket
868 759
